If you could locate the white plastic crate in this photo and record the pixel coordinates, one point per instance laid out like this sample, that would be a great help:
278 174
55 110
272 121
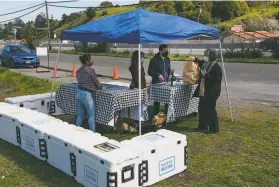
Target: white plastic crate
61 142
10 130
164 154
38 102
109 164
33 127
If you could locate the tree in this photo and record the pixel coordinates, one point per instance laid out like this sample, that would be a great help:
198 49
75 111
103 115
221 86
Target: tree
106 4
277 16
90 12
117 5
165 7
226 10
104 13
30 34
41 21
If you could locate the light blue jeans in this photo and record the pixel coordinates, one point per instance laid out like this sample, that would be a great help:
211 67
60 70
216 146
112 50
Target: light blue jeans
85 105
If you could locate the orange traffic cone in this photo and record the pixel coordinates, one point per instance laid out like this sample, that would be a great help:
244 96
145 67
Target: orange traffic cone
55 73
115 73
74 71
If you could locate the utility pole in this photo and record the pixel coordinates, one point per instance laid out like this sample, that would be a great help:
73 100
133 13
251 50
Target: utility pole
48 32
14 30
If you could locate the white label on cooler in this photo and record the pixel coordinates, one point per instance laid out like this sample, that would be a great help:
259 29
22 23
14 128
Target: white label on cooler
106 147
166 166
153 138
30 143
91 176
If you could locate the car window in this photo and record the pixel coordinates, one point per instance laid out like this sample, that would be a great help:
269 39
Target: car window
20 49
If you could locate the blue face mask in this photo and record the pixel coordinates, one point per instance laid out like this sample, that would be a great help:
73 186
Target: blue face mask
142 60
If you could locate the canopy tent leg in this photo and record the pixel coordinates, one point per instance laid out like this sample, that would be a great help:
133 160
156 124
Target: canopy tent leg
54 76
139 72
225 76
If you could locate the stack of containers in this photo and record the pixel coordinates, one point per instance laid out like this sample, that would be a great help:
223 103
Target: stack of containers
38 102
61 142
107 164
34 125
10 130
164 154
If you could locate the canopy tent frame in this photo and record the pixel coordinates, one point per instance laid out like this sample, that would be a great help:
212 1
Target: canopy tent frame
139 73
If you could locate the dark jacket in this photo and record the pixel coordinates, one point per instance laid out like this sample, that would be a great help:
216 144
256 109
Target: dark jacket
135 77
157 67
213 82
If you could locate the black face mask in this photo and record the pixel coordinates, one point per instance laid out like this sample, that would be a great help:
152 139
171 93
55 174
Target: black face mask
165 54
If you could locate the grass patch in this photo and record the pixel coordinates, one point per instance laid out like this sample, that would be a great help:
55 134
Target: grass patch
244 153
15 84
177 57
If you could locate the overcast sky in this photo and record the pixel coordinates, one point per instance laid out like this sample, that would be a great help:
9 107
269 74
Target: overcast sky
11 6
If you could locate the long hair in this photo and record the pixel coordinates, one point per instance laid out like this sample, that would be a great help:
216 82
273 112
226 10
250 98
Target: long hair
135 58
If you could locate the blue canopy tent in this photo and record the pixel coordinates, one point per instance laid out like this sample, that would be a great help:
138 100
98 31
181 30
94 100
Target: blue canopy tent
140 27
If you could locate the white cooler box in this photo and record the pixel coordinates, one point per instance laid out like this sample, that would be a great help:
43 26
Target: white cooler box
108 164
32 134
164 154
38 102
10 130
61 142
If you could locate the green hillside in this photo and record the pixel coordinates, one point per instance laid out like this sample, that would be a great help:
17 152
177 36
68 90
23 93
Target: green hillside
83 19
264 10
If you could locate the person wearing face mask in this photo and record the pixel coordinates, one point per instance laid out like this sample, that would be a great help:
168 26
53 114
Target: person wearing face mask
160 71
134 69
87 83
208 91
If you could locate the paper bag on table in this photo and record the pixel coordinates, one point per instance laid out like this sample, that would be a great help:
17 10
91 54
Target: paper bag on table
190 73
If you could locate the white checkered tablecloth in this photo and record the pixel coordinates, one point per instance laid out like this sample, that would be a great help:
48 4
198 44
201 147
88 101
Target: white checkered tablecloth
108 102
179 98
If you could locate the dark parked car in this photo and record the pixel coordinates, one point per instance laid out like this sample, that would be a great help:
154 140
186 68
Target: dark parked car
15 55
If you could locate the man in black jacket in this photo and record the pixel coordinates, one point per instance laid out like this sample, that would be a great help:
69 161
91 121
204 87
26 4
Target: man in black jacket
208 91
160 71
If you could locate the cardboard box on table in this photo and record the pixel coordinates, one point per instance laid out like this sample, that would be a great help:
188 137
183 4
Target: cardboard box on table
164 154
38 102
107 164
61 142
10 130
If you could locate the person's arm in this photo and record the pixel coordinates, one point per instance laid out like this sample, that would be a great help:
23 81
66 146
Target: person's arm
169 70
94 79
135 74
199 62
152 70
216 89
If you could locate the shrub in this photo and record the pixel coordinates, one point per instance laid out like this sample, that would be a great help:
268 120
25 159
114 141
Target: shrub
243 53
90 12
104 13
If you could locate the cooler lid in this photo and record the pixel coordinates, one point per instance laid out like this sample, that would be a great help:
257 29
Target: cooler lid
74 135
39 121
157 139
28 98
110 152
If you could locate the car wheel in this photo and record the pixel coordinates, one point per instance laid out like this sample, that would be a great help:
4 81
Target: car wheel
35 66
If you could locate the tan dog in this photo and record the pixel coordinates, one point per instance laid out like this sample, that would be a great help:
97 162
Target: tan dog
159 120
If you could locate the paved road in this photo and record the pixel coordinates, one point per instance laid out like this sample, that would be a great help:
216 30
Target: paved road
246 81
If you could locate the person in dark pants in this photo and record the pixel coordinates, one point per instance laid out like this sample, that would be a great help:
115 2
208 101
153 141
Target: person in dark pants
208 91
134 69
160 71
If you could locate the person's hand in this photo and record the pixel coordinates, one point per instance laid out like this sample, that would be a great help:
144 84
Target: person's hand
161 78
170 76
